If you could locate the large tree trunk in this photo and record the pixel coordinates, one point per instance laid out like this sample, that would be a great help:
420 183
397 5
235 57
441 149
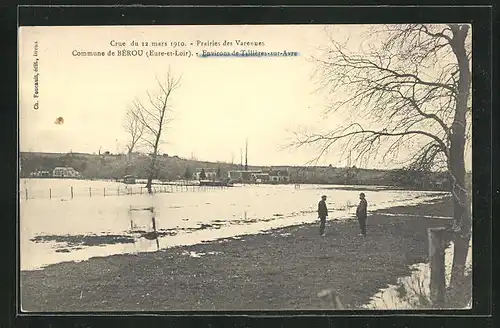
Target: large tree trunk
461 208
462 222
127 166
152 166
151 172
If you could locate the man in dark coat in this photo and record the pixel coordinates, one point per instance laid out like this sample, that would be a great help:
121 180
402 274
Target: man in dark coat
361 213
322 214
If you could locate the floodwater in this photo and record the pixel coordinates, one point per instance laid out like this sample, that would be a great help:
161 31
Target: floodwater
413 291
64 229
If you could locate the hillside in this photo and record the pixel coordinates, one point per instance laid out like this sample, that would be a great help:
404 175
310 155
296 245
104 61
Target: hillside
111 166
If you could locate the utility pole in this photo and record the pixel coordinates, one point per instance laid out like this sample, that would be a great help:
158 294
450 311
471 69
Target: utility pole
241 159
246 155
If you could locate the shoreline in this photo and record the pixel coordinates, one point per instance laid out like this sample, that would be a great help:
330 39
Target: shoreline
283 268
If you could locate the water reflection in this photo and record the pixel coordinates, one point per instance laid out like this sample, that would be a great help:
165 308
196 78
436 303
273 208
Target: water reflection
155 233
149 235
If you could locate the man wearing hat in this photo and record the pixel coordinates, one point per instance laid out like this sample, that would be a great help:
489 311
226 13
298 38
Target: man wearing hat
322 214
361 213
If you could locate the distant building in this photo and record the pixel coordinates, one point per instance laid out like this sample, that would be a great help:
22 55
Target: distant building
242 175
261 177
65 172
40 174
129 179
279 176
210 174
234 175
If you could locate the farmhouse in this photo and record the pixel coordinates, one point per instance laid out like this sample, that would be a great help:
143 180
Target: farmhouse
40 174
261 177
65 172
210 174
279 176
242 175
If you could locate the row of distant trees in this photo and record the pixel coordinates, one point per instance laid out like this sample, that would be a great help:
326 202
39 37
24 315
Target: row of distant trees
172 168
113 166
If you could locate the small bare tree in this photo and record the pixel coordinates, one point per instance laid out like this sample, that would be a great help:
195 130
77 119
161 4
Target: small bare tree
409 90
154 116
134 129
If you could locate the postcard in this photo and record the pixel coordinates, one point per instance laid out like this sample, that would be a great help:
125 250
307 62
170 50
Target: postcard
245 167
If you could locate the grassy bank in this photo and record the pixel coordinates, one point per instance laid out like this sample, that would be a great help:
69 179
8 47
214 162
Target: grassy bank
284 269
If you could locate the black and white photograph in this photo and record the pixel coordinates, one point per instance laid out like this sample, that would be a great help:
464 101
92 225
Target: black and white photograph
245 167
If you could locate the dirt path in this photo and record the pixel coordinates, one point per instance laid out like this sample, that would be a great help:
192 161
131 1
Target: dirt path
284 269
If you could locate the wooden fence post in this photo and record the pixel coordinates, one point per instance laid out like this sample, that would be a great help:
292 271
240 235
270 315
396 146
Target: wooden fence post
437 244
26 190
50 193
71 192
90 191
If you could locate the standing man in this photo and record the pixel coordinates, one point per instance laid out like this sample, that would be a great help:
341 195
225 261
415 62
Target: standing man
322 214
361 213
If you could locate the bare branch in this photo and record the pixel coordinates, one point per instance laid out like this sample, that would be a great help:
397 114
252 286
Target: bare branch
399 84
134 129
441 34
154 119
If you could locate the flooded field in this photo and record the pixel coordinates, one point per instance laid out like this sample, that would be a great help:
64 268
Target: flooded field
64 229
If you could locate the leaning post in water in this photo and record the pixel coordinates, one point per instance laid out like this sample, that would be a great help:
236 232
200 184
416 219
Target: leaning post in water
437 245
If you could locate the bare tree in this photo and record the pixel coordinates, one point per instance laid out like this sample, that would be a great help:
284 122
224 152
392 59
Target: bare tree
409 90
154 118
134 129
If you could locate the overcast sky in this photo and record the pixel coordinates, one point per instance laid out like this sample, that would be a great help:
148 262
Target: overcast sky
221 101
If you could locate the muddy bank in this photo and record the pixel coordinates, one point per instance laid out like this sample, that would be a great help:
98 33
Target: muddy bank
283 269
84 240
443 207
